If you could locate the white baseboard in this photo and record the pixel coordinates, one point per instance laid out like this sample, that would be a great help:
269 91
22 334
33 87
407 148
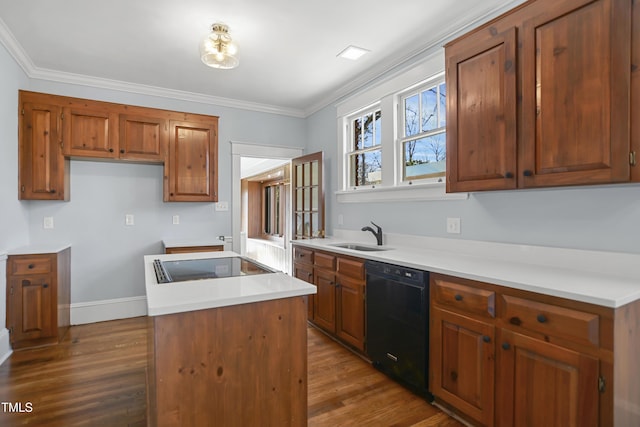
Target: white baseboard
112 309
5 345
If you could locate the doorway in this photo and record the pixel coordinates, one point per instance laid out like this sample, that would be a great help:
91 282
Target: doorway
256 155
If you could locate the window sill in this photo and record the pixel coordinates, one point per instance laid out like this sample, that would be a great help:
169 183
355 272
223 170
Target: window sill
416 192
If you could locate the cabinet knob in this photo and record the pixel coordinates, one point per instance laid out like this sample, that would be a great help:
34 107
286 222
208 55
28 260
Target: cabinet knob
486 338
506 346
527 172
541 318
111 150
52 191
458 297
121 151
508 175
45 285
31 266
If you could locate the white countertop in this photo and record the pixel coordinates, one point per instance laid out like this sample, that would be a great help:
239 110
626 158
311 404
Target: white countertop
193 295
602 278
51 248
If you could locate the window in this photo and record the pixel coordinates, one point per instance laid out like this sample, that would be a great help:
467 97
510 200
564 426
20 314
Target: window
365 154
422 132
273 217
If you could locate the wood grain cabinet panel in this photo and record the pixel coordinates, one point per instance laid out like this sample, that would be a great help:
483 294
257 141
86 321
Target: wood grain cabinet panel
191 169
90 132
143 138
43 170
325 299
38 297
350 321
541 96
541 384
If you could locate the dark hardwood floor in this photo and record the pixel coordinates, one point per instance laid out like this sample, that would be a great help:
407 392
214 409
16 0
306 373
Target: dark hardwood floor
96 377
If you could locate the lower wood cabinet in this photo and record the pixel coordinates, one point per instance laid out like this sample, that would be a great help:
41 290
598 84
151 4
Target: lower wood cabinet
338 307
38 298
505 357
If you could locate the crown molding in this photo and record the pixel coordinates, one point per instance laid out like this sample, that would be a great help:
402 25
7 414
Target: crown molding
24 61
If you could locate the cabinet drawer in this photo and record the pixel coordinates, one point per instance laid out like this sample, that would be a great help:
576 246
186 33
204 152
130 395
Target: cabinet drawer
302 255
565 323
324 260
30 265
465 298
351 267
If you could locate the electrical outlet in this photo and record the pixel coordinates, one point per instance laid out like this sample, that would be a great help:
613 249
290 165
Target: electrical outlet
222 206
176 219
128 219
47 222
453 225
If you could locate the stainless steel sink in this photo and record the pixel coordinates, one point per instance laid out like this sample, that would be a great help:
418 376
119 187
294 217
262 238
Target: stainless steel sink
359 247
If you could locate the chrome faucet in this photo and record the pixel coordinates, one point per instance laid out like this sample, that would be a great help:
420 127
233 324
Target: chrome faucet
377 233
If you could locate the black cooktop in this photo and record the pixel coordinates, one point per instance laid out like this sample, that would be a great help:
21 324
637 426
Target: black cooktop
206 268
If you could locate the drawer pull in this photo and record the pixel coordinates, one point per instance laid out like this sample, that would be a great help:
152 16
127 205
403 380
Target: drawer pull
506 346
458 297
541 318
486 338
46 285
30 266
515 321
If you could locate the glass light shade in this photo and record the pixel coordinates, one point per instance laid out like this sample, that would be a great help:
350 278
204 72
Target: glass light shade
217 50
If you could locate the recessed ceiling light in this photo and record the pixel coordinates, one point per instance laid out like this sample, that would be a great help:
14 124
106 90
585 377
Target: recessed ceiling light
352 52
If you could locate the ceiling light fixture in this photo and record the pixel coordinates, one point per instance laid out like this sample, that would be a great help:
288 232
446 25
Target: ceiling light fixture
352 52
217 50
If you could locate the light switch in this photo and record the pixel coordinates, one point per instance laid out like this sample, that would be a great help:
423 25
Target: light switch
48 222
222 206
176 219
128 219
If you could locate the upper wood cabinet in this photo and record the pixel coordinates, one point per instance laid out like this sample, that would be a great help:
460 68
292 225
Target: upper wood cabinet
43 170
568 120
54 128
90 132
191 169
143 138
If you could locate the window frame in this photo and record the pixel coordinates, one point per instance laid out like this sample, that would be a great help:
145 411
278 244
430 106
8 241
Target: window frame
351 151
402 139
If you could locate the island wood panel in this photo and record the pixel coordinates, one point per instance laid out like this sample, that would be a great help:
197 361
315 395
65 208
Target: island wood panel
231 366
626 383
190 249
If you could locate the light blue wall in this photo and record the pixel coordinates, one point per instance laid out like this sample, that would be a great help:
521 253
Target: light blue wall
13 214
596 218
106 260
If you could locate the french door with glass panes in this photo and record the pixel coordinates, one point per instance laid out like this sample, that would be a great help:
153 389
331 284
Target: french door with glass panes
308 196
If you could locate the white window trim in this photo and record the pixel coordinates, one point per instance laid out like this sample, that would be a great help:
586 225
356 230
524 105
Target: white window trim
386 94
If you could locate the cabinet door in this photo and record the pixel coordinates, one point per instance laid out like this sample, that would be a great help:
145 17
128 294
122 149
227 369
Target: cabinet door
462 353
30 307
41 162
143 138
305 272
325 300
541 384
575 94
90 133
481 113
350 311
191 169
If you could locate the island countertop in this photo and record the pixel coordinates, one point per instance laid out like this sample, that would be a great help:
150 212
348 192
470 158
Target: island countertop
178 297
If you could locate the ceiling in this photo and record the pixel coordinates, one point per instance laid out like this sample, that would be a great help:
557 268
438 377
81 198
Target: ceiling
287 48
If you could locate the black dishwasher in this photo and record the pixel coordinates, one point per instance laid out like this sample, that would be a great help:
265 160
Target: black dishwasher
398 323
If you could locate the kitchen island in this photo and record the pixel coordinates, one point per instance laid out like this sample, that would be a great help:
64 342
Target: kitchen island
226 351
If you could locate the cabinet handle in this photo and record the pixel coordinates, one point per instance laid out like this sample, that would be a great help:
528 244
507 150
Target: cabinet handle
31 266
46 285
508 175
458 297
52 191
121 151
506 346
111 150
486 338
527 172
541 318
